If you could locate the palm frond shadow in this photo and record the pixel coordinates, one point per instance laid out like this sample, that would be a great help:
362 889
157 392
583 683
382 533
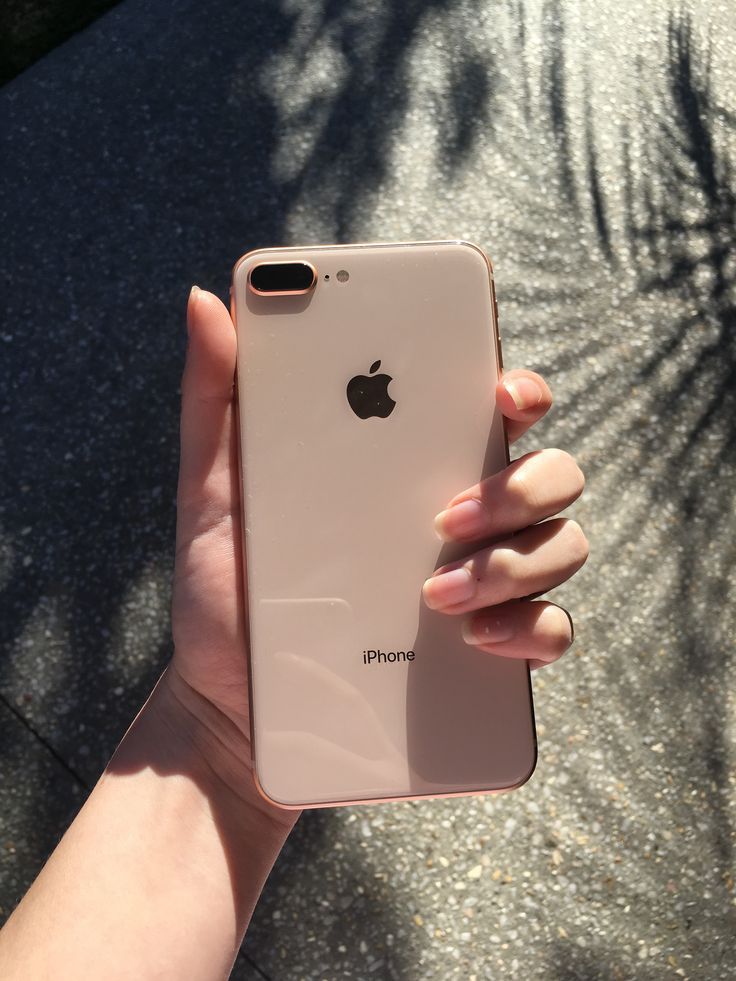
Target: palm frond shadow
699 204
667 407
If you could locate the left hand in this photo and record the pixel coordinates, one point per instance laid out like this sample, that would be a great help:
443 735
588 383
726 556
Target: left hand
208 673
527 555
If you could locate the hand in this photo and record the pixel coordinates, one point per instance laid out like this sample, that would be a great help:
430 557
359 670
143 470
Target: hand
209 668
525 558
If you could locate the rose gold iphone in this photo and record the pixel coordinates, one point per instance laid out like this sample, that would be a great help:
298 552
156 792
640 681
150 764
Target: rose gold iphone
366 378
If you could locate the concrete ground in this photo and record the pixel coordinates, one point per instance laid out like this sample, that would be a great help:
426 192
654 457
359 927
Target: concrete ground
590 148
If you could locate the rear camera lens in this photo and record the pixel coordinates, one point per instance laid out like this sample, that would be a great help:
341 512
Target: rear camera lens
282 277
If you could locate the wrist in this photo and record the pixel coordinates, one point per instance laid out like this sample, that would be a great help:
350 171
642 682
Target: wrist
179 730
221 747
183 738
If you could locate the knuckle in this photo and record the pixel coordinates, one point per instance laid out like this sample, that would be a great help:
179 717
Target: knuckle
566 464
579 477
555 632
576 543
521 489
562 636
502 565
558 457
542 483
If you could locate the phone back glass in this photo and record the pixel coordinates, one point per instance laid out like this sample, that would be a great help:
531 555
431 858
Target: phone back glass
339 530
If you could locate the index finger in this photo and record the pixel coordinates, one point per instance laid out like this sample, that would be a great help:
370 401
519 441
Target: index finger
523 397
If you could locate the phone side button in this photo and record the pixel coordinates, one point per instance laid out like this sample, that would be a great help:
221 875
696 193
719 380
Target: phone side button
498 329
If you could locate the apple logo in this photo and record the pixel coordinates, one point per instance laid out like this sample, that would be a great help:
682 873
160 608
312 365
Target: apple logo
368 394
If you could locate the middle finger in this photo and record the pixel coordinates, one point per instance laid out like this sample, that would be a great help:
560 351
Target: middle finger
535 560
532 488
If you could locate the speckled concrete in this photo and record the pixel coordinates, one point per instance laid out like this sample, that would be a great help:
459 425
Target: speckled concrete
39 799
589 147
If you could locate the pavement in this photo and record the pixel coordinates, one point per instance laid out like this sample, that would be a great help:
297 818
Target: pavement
590 148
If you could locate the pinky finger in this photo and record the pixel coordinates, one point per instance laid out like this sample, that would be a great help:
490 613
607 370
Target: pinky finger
539 632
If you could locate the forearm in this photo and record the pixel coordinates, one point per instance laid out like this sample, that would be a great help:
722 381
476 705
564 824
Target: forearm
159 873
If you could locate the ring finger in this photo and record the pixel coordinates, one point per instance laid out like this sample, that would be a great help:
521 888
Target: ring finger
535 560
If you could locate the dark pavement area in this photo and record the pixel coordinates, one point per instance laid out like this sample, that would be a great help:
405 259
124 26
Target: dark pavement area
29 29
590 149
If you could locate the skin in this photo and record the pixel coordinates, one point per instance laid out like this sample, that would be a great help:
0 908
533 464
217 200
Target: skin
158 875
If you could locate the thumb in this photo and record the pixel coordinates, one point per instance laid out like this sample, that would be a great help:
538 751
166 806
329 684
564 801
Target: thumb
206 401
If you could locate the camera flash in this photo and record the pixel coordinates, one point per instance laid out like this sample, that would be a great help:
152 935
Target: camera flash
343 276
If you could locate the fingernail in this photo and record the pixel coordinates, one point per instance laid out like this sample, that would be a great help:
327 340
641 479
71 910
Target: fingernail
525 392
468 519
448 588
192 294
490 629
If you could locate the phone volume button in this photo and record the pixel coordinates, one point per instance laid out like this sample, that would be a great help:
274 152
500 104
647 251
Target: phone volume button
497 328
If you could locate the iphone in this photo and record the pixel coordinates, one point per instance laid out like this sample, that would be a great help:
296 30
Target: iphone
365 401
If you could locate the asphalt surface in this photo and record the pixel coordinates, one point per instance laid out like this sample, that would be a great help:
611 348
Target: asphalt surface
590 148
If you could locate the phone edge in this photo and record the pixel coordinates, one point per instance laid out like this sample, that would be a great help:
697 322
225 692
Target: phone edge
499 365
